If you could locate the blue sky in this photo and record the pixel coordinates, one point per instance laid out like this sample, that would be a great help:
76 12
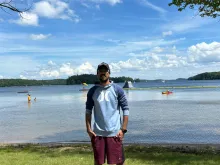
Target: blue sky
139 38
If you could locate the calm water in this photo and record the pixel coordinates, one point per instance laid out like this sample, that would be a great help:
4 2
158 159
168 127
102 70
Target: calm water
186 116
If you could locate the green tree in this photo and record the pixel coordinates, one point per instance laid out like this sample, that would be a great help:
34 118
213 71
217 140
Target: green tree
206 76
210 8
23 82
92 79
12 6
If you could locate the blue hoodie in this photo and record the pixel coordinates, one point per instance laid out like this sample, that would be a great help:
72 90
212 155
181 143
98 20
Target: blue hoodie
106 101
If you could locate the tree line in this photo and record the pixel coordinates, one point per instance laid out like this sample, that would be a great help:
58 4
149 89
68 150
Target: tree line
206 76
24 82
75 79
92 79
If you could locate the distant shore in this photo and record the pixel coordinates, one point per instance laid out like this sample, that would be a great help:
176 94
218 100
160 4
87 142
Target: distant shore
172 87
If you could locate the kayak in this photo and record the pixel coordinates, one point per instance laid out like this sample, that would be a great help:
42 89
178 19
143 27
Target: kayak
84 89
167 92
22 92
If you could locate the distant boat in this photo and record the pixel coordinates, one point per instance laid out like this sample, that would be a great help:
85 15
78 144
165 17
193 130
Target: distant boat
22 92
167 92
163 81
85 84
84 89
128 84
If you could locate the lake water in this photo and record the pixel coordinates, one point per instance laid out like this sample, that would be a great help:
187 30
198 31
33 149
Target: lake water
189 115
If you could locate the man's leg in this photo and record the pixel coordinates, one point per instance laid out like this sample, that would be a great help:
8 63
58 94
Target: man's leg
98 145
116 164
114 151
96 163
121 163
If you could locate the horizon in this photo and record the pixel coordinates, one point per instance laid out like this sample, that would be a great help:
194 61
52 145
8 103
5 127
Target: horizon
142 39
115 77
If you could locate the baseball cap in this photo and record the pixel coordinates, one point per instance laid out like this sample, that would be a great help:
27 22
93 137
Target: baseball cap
103 64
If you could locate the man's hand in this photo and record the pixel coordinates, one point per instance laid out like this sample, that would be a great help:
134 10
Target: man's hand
91 133
120 135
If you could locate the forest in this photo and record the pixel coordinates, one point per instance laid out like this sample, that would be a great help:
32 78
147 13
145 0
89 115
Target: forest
206 76
75 79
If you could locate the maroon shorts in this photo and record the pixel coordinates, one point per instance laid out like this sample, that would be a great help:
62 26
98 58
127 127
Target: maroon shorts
110 147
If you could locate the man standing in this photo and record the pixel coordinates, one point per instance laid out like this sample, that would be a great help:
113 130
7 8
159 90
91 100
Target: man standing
29 98
108 131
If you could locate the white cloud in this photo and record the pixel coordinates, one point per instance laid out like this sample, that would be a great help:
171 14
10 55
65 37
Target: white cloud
179 27
23 77
152 61
167 33
153 66
49 74
85 5
86 68
157 49
51 63
26 19
12 66
145 44
54 9
1 77
119 46
186 24
53 70
131 64
39 36
204 52
67 69
111 2
113 41
152 6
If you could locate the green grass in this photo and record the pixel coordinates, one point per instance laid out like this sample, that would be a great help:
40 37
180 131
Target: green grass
82 155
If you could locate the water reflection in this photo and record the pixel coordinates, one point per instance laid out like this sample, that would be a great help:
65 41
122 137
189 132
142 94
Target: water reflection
83 96
142 95
29 105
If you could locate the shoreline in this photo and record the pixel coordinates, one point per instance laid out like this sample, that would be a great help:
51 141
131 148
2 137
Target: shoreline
185 148
172 146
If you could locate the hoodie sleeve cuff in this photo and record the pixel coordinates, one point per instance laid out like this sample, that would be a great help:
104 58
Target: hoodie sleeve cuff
125 112
88 111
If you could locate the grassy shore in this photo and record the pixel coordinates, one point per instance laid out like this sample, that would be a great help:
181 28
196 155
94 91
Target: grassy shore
81 154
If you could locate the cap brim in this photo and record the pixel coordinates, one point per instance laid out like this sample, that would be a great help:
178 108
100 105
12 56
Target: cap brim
102 66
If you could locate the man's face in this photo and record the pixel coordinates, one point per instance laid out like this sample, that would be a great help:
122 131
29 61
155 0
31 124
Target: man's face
103 74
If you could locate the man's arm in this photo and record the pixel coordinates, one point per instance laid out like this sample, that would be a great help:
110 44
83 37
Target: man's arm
88 116
125 122
124 127
88 122
123 103
88 125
